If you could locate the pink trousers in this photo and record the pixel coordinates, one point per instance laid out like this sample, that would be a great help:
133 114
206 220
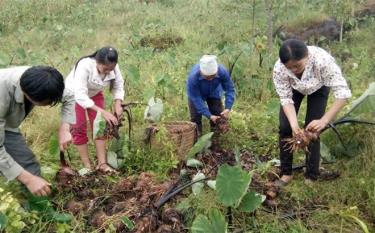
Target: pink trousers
79 130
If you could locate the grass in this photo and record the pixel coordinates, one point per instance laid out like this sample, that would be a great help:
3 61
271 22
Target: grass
69 29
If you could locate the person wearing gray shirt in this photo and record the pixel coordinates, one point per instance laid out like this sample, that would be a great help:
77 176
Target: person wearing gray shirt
22 88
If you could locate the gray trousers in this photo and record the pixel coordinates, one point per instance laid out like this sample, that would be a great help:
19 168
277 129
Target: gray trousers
15 145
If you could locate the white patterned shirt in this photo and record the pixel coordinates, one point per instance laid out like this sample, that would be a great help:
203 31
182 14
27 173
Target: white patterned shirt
320 70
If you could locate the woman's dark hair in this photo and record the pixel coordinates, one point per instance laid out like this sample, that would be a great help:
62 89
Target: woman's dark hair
292 49
105 55
43 84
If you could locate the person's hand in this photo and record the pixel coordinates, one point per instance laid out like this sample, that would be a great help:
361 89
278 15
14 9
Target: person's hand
118 109
65 137
214 118
317 125
35 184
225 113
296 130
109 118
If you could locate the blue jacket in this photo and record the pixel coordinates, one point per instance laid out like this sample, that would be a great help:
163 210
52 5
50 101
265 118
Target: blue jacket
200 89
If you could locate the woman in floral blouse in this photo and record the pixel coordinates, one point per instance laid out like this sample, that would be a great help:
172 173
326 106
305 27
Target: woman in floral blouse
306 71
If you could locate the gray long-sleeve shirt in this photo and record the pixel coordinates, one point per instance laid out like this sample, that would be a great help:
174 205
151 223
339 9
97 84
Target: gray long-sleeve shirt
12 113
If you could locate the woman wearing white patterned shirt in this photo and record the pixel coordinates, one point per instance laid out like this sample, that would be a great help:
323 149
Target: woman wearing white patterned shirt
311 71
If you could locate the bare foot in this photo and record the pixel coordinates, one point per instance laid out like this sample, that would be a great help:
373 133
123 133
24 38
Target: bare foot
286 179
106 168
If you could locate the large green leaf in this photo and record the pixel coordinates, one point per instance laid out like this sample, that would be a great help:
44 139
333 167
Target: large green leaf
61 217
128 223
133 74
231 185
153 110
250 202
365 103
3 221
214 223
203 143
98 126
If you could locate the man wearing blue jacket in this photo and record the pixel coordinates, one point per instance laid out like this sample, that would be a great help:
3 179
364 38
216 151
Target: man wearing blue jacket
205 85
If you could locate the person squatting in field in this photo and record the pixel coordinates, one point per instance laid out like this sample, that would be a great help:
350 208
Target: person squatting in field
22 88
306 71
205 85
89 77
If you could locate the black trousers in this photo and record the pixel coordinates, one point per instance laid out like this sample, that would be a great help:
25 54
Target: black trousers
316 106
215 106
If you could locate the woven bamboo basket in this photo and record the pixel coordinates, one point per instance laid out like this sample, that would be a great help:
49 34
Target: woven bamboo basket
182 134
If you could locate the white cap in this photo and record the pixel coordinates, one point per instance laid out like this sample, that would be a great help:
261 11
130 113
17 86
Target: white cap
208 65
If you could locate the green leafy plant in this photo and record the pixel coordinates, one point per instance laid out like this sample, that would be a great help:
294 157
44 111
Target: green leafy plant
164 84
98 126
203 143
153 110
43 206
231 185
53 147
13 218
113 160
128 223
214 222
251 201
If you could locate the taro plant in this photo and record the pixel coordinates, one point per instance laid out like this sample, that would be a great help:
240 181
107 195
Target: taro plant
13 218
232 184
214 222
164 84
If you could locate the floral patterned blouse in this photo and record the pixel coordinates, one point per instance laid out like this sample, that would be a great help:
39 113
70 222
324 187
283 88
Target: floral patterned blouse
320 70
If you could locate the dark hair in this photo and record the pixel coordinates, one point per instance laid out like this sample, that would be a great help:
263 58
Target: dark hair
292 49
43 84
105 55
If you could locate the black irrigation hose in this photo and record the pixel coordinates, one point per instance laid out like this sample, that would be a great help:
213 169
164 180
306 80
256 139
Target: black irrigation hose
337 134
353 121
173 190
165 198
344 121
